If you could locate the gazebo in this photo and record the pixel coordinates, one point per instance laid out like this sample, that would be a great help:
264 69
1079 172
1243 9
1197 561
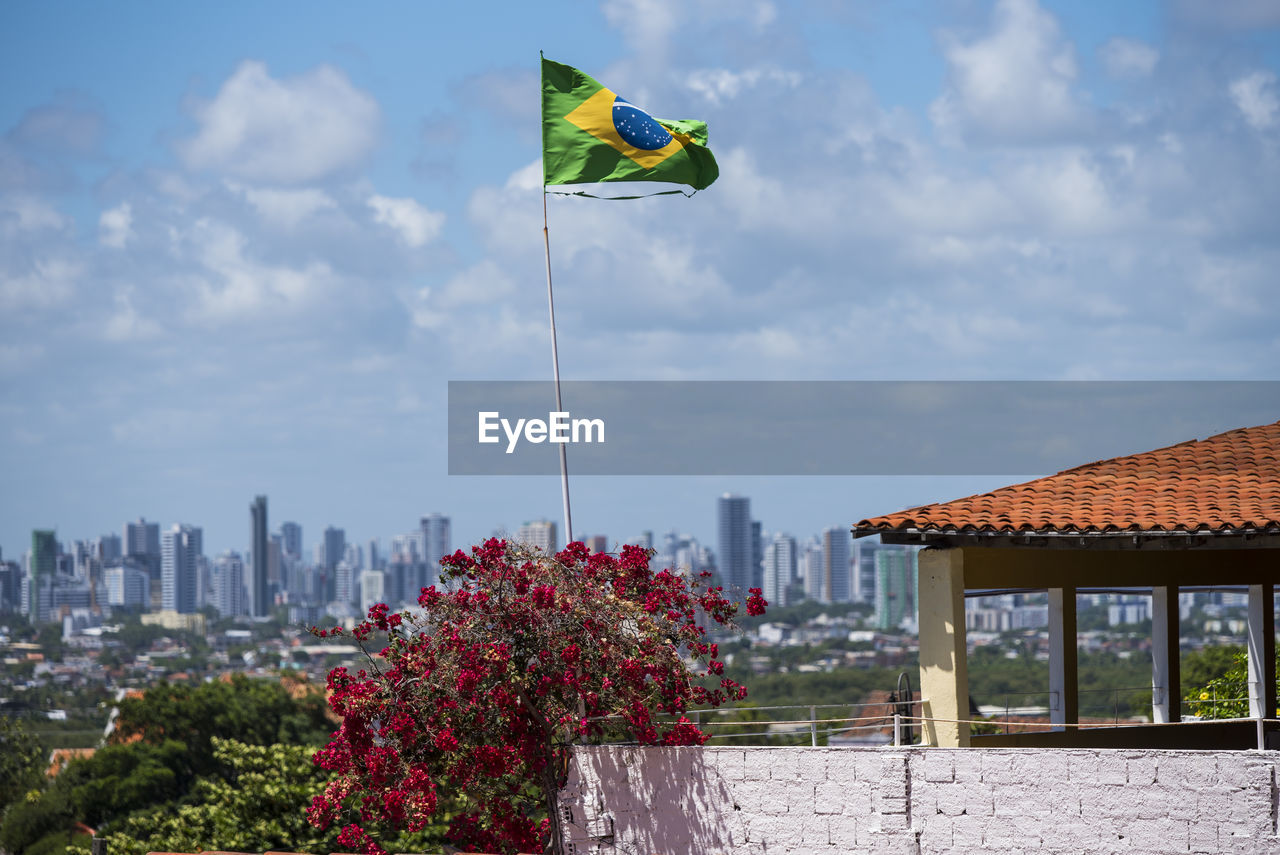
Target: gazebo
1194 515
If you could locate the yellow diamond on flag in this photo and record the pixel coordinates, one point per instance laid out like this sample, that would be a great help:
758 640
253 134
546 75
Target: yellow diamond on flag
627 128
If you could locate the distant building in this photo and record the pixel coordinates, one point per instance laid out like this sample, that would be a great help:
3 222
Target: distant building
334 548
260 598
812 572
142 544
736 543
40 573
597 543
435 539
180 549
373 589
896 581
226 578
344 583
291 539
837 580
779 568
193 623
540 534
128 586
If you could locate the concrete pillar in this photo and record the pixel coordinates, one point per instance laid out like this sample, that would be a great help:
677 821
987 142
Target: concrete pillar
1166 670
1262 652
944 668
1064 704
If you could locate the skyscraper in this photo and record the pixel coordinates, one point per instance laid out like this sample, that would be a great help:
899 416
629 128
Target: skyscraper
142 544
335 548
736 544
258 540
44 562
291 535
896 580
835 564
435 539
779 568
539 533
227 581
180 548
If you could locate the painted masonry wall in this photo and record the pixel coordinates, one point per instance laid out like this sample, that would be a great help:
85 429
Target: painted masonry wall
796 801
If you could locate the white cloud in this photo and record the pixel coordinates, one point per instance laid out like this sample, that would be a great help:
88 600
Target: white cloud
485 283
115 226
232 285
1128 58
50 282
285 208
27 215
287 131
1256 98
717 85
1014 83
125 324
416 224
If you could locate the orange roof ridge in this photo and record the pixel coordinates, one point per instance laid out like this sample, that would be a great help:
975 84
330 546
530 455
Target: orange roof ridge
1225 483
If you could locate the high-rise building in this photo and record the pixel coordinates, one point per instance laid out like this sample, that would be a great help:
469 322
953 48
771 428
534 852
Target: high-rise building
864 574
128 586
779 568
142 544
291 537
757 554
375 556
540 534
896 581
261 599
811 571
43 566
373 589
835 564
335 547
435 539
736 543
227 581
344 583
180 549
597 543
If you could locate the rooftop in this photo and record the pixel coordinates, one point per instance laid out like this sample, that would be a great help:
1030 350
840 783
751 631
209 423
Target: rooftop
1228 484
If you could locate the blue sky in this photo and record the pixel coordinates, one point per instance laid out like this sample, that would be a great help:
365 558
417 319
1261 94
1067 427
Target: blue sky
243 247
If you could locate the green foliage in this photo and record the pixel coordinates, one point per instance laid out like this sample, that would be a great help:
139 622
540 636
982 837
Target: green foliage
21 760
254 804
258 712
1227 695
230 761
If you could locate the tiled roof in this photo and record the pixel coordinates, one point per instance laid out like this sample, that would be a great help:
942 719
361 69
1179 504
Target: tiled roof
1223 484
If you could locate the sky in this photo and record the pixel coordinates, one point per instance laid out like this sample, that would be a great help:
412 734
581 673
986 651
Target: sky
244 247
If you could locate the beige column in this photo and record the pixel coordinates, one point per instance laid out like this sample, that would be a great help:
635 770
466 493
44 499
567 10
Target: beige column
944 669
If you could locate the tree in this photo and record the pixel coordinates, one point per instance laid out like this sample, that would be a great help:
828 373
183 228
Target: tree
1226 696
254 804
523 655
21 760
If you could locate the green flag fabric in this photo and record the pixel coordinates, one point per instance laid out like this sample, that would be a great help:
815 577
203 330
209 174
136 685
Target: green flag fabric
590 135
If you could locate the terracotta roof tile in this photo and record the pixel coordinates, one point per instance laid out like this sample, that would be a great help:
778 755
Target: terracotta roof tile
1221 484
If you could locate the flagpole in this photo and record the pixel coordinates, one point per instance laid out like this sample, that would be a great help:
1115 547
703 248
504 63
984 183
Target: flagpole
555 367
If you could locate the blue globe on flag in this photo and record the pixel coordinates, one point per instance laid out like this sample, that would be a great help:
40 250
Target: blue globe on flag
637 127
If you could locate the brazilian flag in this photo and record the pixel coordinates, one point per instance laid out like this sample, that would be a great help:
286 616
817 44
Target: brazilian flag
589 134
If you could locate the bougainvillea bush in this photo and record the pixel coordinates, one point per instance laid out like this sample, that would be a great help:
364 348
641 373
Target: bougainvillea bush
476 700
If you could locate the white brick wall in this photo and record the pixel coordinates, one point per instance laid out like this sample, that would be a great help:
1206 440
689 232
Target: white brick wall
919 801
